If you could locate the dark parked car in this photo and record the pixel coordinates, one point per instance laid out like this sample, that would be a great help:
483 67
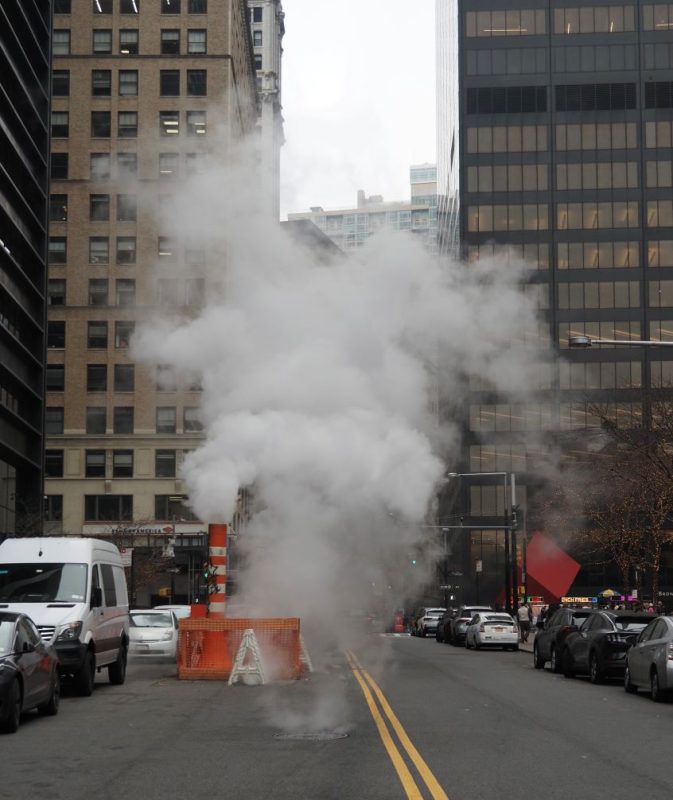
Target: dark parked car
549 640
599 647
456 626
444 620
649 663
28 671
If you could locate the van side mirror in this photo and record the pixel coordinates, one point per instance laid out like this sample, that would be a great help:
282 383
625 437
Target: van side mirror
96 597
28 647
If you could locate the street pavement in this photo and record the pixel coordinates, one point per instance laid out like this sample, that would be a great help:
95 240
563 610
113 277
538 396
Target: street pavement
483 725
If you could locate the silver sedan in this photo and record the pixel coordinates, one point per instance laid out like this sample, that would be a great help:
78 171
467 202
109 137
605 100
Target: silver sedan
649 662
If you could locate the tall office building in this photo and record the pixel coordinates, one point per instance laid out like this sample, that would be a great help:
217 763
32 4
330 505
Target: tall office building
565 130
144 93
268 28
24 176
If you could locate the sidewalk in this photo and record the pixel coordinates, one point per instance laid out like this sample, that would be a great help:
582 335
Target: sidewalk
528 646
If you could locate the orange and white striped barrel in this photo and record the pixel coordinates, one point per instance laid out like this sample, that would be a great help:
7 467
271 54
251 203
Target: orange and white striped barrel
217 559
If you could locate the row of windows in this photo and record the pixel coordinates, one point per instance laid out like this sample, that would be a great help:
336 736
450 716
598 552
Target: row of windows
659 94
623 331
498 458
127 124
166 419
595 58
513 217
509 61
127 166
599 294
658 56
598 255
111 507
600 375
596 136
101 82
506 99
513 22
596 96
98 293
118 464
134 6
591 216
129 42
580 415
659 213
125 252
595 19
509 178
97 337
533 254
658 18
510 417
659 134
507 139
603 175
171 293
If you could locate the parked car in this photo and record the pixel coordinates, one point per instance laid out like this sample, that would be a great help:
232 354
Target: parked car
426 621
456 626
549 640
649 662
29 676
181 612
153 633
599 647
491 629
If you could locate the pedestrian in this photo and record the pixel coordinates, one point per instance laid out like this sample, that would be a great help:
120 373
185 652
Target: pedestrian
525 617
650 609
541 617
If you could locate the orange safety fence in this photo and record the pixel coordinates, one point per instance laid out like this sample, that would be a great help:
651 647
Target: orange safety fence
207 647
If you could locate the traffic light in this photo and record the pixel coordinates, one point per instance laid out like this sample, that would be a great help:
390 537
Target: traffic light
205 571
413 562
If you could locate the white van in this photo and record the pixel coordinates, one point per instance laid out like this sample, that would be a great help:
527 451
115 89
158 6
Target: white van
74 590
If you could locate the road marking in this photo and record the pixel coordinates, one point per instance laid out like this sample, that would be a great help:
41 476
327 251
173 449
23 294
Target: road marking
424 771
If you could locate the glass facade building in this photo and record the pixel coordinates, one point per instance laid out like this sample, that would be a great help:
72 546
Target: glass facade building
24 174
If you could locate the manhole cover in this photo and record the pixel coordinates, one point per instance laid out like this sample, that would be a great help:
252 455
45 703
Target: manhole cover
320 736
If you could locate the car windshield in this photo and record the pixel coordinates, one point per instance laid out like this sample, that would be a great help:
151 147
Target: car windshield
578 619
435 612
498 618
145 620
6 636
633 624
43 583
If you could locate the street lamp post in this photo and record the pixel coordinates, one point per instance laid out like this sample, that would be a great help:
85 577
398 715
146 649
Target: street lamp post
585 342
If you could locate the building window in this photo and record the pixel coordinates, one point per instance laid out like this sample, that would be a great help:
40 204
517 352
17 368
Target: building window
194 163
127 164
167 249
98 291
122 463
661 295
58 207
192 420
170 6
506 99
124 330
166 419
53 463
101 82
596 136
108 507
53 420
169 82
598 294
658 18
257 14
127 208
127 124
507 139
102 41
195 292
128 42
172 507
659 213
100 124
596 97
165 463
621 330
53 508
97 334
196 123
94 463
60 43
125 292
514 217
126 250
96 419
601 175
170 42
99 250
588 216
257 38
99 207
598 255
122 419
59 166
165 379
600 19
258 61
124 377
506 61
508 178
659 174
56 292
660 253
513 22
56 334
128 82
168 165
102 6
596 58
129 6
197 82
96 377
55 377
62 6
60 82
58 249
169 123
99 166
197 42
60 124
197 7
167 292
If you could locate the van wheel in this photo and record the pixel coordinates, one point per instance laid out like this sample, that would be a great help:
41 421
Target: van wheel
117 671
50 708
11 722
84 679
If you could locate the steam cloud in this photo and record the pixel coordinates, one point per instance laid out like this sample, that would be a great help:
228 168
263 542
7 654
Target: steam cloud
321 381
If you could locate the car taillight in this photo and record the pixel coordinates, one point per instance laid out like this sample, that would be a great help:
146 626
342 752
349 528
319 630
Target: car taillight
482 628
566 628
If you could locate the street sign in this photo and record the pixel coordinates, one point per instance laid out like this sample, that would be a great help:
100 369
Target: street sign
127 556
479 565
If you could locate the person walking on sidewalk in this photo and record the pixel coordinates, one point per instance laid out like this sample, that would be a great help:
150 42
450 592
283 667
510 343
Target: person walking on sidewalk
525 617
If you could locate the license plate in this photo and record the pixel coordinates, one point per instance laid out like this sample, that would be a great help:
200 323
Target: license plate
499 630
143 646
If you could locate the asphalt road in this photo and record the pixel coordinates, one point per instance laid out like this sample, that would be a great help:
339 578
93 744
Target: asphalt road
486 725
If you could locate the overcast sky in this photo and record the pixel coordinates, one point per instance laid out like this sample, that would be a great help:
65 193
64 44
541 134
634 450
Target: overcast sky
358 99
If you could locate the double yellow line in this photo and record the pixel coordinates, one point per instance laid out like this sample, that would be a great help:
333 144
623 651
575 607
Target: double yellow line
410 786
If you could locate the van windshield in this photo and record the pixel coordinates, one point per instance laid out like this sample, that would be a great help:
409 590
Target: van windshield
43 583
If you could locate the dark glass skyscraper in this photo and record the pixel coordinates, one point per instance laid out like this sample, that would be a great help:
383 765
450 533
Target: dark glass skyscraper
25 27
